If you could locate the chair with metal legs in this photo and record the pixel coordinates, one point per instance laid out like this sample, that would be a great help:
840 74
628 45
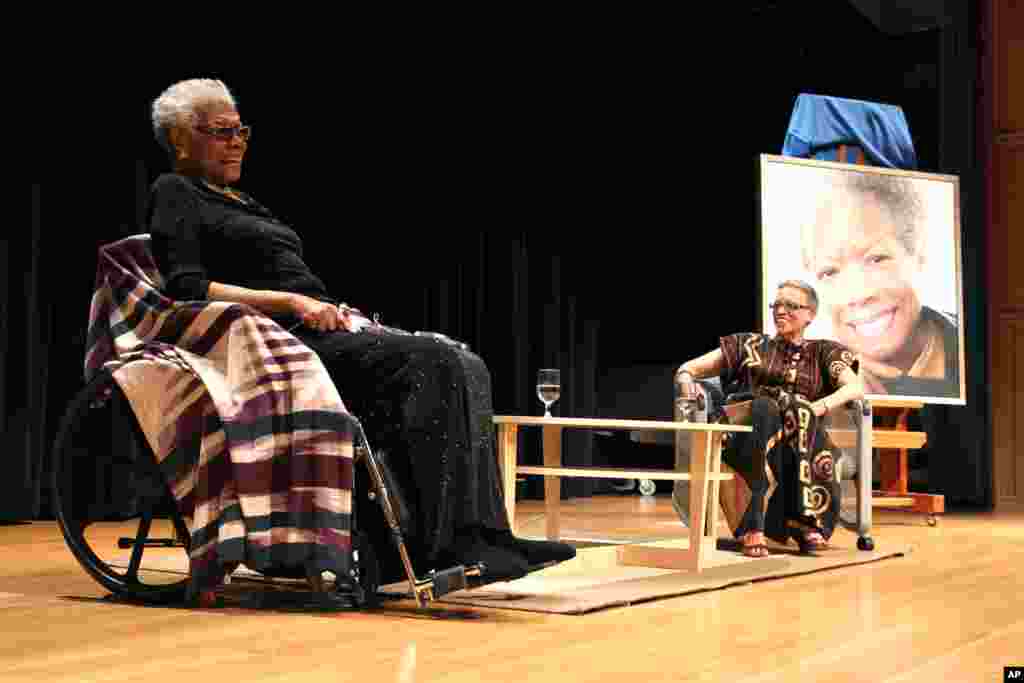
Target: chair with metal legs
849 429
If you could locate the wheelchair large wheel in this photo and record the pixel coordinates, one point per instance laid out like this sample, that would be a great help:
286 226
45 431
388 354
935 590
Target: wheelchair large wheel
103 473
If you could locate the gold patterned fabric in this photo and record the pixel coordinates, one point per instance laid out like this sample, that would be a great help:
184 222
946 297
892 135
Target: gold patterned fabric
786 465
810 370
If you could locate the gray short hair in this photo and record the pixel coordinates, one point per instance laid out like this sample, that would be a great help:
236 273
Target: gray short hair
812 295
180 103
896 194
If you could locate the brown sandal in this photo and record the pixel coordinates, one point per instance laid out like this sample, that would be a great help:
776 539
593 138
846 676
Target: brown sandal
811 541
755 550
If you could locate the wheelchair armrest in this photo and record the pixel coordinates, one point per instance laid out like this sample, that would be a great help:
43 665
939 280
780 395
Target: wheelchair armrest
702 409
850 426
861 405
859 410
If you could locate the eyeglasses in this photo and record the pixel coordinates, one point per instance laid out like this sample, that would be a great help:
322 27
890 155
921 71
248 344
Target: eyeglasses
790 306
227 134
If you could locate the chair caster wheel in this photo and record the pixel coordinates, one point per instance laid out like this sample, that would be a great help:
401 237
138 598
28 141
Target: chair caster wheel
865 543
647 487
933 520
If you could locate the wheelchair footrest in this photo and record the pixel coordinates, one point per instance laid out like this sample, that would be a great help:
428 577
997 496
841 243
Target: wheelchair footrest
454 579
126 543
449 581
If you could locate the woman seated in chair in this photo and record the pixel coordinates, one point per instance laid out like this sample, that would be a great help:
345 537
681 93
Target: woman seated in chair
786 458
425 403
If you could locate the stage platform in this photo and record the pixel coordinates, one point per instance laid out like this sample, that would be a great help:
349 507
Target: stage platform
951 609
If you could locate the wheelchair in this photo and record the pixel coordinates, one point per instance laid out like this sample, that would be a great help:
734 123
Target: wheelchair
102 470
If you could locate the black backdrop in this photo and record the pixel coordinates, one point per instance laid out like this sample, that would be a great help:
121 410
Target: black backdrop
590 207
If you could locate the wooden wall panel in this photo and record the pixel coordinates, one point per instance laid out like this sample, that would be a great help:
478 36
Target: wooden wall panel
1004 139
1016 334
1008 41
1008 224
1007 292
1008 411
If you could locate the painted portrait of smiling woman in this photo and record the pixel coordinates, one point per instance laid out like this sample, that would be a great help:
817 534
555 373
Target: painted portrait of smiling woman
881 247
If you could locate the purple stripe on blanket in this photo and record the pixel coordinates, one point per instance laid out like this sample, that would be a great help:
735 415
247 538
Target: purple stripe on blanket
285 376
212 423
247 430
131 251
187 503
301 521
185 430
215 333
101 350
308 505
295 469
289 342
268 326
178 319
268 403
283 444
282 358
141 318
213 480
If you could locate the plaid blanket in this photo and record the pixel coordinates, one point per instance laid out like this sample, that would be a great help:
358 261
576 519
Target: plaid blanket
248 429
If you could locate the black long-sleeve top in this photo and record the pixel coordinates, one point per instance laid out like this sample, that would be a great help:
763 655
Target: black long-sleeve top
199 236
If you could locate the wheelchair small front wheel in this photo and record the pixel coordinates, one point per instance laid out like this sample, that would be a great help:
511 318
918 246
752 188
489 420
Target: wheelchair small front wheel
647 487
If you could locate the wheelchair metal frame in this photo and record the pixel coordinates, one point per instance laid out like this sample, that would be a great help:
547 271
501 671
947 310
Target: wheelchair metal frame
103 391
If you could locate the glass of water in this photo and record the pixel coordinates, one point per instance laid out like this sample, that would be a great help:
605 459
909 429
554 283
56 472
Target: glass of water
549 387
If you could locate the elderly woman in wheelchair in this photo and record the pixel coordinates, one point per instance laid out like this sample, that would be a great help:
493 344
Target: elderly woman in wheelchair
787 461
425 401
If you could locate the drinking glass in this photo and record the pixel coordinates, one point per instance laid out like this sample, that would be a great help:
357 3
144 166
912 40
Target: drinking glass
549 387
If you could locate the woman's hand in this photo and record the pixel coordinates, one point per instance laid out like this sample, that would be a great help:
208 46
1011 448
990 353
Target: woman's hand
850 389
688 390
319 315
820 408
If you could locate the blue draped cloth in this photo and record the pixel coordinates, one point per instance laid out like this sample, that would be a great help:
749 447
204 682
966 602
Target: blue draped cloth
819 124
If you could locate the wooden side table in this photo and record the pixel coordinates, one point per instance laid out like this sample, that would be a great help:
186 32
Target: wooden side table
704 475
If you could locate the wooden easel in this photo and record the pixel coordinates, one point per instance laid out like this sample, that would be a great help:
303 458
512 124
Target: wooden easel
893 468
894 440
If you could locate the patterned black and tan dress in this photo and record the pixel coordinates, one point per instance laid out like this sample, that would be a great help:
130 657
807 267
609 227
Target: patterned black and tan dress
787 461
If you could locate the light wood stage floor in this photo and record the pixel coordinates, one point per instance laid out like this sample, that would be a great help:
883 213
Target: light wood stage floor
950 611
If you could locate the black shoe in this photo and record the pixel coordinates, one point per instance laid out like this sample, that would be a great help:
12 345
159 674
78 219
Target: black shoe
470 548
538 554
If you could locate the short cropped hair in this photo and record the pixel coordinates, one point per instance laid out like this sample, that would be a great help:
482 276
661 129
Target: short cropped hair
180 103
812 295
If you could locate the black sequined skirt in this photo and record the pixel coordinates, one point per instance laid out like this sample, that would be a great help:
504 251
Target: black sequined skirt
428 405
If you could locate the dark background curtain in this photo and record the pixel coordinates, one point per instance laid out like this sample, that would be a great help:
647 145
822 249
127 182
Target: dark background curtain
590 207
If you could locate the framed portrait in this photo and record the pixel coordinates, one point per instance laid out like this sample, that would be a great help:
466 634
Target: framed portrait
881 248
